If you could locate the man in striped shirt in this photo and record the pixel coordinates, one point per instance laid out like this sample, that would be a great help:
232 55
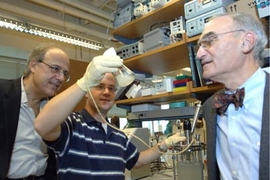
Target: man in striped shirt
87 147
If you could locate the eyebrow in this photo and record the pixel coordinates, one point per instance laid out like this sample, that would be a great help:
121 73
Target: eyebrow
208 34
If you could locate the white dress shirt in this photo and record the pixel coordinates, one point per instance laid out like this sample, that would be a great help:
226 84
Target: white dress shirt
239 131
29 152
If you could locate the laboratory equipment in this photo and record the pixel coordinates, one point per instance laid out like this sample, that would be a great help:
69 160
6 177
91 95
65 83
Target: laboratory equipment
188 155
189 164
196 8
124 13
194 26
130 50
156 38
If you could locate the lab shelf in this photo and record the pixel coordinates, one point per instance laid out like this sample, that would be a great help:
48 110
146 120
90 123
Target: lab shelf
157 98
158 61
162 60
188 95
138 27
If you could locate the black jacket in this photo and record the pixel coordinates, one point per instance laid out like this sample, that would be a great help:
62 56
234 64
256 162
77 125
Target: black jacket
10 100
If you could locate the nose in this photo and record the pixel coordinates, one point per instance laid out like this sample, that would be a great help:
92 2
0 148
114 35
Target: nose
106 90
200 53
60 76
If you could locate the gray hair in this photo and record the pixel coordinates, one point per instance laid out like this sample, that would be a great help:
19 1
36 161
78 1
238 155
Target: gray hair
250 23
38 53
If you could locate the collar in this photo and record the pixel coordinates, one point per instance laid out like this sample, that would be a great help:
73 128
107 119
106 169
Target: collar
24 99
88 118
253 84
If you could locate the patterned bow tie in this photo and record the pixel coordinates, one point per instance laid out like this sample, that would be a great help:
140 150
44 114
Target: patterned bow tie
222 101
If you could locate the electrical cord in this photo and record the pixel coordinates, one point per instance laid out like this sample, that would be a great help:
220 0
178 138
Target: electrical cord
159 24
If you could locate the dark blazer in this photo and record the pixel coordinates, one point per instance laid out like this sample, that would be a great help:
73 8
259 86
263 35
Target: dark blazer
210 119
10 100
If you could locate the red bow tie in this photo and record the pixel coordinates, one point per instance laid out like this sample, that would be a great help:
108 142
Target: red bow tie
222 101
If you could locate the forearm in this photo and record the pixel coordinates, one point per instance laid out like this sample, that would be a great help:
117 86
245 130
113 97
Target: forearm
152 154
148 156
56 111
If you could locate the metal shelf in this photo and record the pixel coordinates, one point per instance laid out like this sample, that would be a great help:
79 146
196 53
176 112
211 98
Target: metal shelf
166 114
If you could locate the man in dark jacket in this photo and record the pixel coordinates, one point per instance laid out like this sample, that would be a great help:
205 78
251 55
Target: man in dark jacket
23 155
237 121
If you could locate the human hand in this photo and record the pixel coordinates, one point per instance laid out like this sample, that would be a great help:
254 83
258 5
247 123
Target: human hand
108 62
174 139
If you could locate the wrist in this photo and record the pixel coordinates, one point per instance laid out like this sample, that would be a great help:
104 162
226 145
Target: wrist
81 84
162 147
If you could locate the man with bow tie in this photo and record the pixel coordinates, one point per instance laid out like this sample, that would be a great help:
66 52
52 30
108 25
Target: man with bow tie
237 117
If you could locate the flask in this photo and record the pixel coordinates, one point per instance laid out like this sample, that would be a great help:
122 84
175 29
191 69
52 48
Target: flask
124 76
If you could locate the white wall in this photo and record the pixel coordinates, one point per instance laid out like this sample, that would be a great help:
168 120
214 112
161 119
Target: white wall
25 43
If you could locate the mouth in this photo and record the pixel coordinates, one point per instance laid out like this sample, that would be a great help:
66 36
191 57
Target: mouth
105 100
205 63
56 85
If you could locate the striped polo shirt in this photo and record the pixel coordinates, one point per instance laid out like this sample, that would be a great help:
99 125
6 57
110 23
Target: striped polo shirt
85 152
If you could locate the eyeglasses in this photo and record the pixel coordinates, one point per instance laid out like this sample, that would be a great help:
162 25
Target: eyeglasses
207 42
56 70
102 87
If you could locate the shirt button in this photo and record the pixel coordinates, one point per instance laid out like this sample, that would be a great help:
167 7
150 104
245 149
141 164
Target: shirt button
234 173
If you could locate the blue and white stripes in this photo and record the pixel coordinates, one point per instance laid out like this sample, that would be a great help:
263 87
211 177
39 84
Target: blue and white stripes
85 152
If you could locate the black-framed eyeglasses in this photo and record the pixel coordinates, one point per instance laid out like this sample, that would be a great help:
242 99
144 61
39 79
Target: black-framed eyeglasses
56 70
102 87
206 42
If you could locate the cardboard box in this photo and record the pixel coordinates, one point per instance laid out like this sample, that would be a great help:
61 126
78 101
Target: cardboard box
246 6
263 7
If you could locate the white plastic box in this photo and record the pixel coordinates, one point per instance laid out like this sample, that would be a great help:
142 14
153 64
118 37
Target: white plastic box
148 91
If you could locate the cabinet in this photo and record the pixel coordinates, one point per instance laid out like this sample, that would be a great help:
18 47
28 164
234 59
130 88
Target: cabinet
162 60
75 74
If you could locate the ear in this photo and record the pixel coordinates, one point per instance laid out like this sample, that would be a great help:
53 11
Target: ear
248 42
32 65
